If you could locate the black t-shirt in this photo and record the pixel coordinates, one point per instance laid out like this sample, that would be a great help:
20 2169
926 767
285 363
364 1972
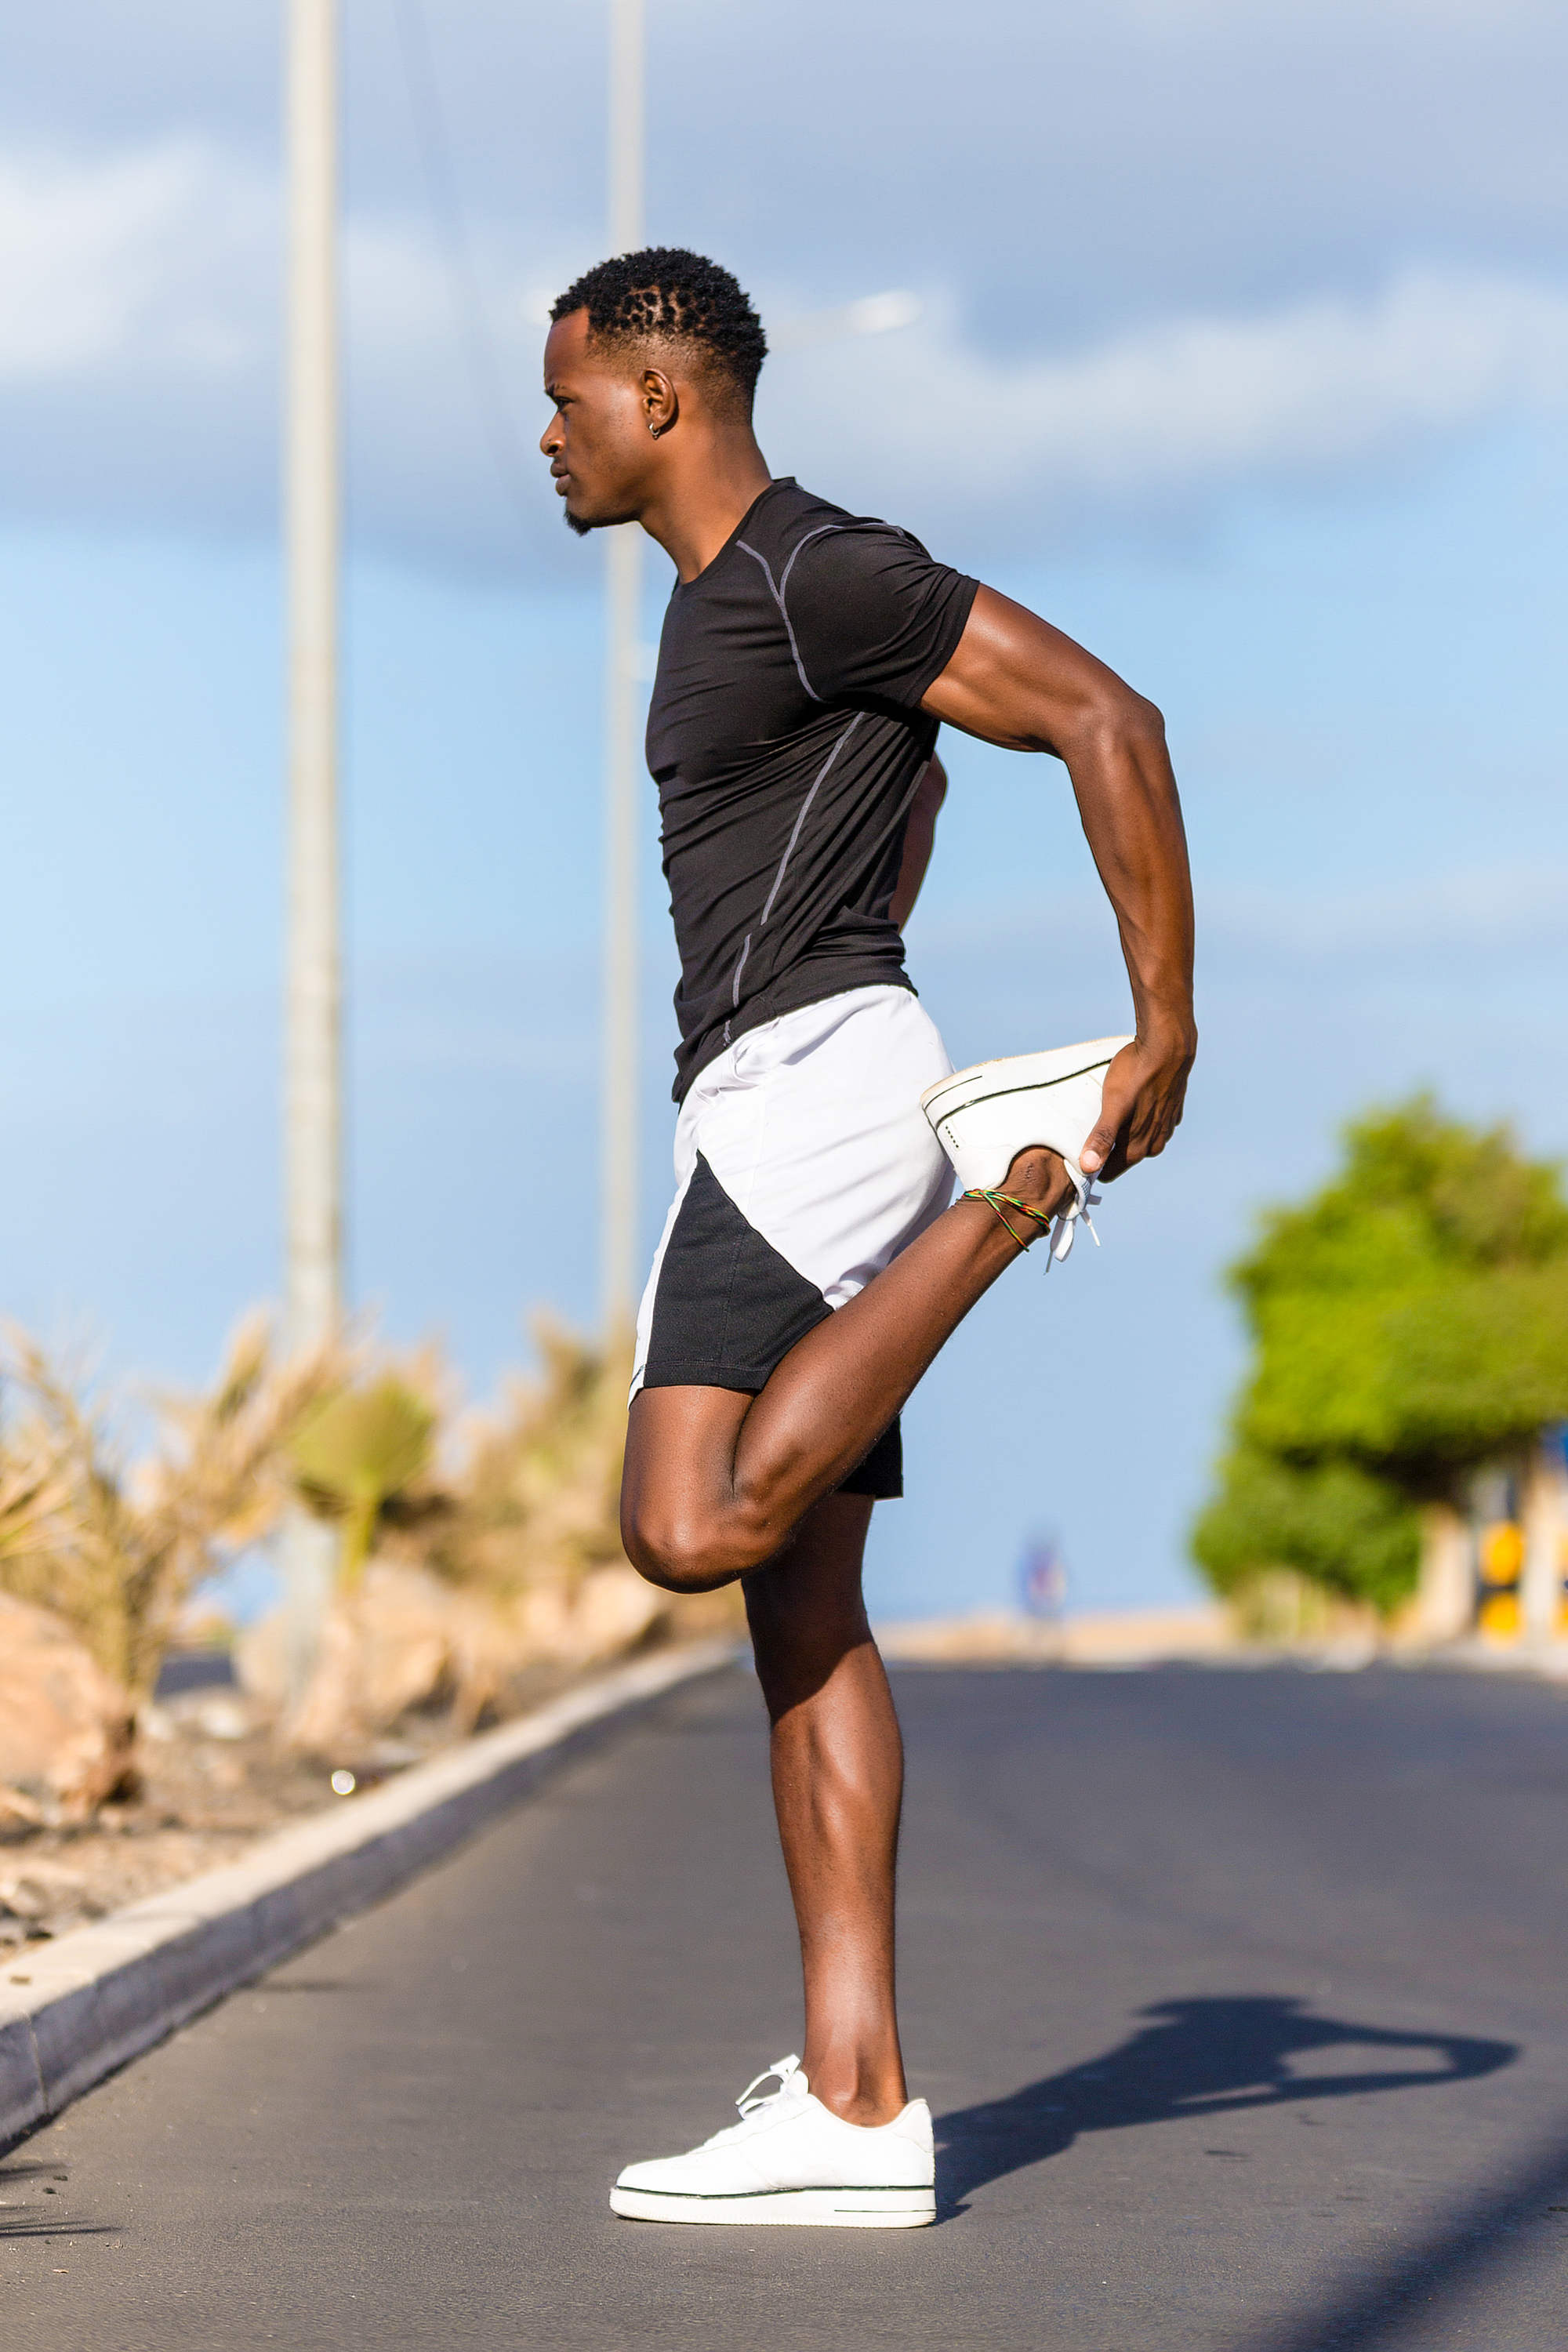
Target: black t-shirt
787 739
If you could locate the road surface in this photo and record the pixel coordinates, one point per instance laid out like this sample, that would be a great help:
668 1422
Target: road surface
1239 1996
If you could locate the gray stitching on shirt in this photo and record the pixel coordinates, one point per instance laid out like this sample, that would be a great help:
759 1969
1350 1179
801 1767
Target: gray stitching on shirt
806 537
805 809
776 589
789 849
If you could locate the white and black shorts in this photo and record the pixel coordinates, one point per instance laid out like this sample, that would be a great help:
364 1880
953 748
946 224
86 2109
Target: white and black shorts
804 1164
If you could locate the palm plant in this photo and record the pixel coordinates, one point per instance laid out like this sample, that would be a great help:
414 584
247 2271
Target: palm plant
358 1450
117 1550
534 1498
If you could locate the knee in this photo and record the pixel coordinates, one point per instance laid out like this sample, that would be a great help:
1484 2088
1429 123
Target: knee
677 1556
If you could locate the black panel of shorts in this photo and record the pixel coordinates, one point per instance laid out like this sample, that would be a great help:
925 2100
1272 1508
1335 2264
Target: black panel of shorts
728 1309
881 1474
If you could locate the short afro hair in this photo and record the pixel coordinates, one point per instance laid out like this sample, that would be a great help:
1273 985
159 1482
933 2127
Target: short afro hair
665 292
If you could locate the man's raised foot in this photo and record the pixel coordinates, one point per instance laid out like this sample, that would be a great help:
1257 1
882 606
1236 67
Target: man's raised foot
987 1116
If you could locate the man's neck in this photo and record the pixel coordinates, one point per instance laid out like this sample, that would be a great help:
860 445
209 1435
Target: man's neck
706 488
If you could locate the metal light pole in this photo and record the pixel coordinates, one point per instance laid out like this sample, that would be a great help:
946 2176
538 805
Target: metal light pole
312 1047
623 755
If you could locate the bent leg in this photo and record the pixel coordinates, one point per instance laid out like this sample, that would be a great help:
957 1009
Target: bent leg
837 1775
716 1480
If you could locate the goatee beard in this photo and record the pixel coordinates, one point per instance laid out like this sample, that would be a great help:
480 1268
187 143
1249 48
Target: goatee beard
575 524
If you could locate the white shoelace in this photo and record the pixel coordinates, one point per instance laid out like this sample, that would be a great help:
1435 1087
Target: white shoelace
1065 1230
754 2105
782 2068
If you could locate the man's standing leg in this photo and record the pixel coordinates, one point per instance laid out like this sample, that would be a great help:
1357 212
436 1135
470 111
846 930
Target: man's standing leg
838 1774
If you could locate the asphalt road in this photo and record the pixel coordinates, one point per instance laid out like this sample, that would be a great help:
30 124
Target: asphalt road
1239 1996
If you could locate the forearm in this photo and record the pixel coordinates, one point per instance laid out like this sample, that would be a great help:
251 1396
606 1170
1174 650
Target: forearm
1017 681
1131 819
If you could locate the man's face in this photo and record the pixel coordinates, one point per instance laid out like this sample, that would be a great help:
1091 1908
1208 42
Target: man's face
598 442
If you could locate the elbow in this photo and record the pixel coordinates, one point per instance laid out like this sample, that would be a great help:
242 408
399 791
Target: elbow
1110 726
1130 722
1151 722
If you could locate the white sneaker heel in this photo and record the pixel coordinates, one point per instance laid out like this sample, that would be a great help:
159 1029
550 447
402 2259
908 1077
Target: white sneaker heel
985 1116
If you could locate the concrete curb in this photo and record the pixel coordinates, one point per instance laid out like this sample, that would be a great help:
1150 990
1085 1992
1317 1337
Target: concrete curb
100 1996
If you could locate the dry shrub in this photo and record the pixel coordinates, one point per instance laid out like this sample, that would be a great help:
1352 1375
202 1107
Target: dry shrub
531 1495
520 1520
118 1549
512 1523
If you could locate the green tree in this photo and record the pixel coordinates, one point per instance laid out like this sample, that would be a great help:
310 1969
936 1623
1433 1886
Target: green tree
1409 1323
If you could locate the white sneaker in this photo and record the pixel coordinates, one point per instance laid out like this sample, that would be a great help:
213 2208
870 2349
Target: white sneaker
985 1116
791 2159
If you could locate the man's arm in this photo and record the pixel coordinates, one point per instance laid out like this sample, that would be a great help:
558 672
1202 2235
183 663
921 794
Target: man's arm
920 836
1017 681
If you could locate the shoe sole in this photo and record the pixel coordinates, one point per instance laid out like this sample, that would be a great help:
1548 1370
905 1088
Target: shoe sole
833 2209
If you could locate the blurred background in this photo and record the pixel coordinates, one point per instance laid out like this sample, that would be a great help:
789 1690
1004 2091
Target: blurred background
1235 341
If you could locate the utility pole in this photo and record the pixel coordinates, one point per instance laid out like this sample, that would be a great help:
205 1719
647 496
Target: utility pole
312 1026
623 753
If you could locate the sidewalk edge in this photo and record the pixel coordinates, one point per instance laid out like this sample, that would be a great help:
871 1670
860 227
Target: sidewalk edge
103 1994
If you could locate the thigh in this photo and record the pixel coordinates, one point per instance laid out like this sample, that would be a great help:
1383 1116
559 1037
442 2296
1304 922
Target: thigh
680 1469
806 1608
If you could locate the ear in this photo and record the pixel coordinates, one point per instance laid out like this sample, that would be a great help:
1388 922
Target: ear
661 406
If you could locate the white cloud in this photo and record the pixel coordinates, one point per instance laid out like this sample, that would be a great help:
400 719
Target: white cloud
133 261
138 351
1183 409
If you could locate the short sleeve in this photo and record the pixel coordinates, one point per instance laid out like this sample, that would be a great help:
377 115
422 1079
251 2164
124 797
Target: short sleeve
872 616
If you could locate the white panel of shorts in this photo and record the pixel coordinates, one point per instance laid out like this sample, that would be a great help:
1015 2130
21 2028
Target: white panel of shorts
813 1125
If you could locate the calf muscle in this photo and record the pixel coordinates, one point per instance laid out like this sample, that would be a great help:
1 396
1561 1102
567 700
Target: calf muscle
837 1777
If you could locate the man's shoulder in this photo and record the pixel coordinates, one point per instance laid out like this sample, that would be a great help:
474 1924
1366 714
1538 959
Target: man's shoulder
790 518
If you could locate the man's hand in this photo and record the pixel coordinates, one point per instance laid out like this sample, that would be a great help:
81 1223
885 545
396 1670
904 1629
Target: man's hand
1141 1108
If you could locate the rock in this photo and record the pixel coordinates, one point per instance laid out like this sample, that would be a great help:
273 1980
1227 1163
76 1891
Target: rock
614 1609
403 1639
43 1898
66 1728
608 1612
387 1646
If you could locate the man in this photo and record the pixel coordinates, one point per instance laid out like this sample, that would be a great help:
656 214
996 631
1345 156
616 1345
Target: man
811 1267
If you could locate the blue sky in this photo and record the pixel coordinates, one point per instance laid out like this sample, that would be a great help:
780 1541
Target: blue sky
1242 355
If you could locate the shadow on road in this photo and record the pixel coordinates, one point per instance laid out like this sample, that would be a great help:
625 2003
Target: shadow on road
22 2218
1208 2057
